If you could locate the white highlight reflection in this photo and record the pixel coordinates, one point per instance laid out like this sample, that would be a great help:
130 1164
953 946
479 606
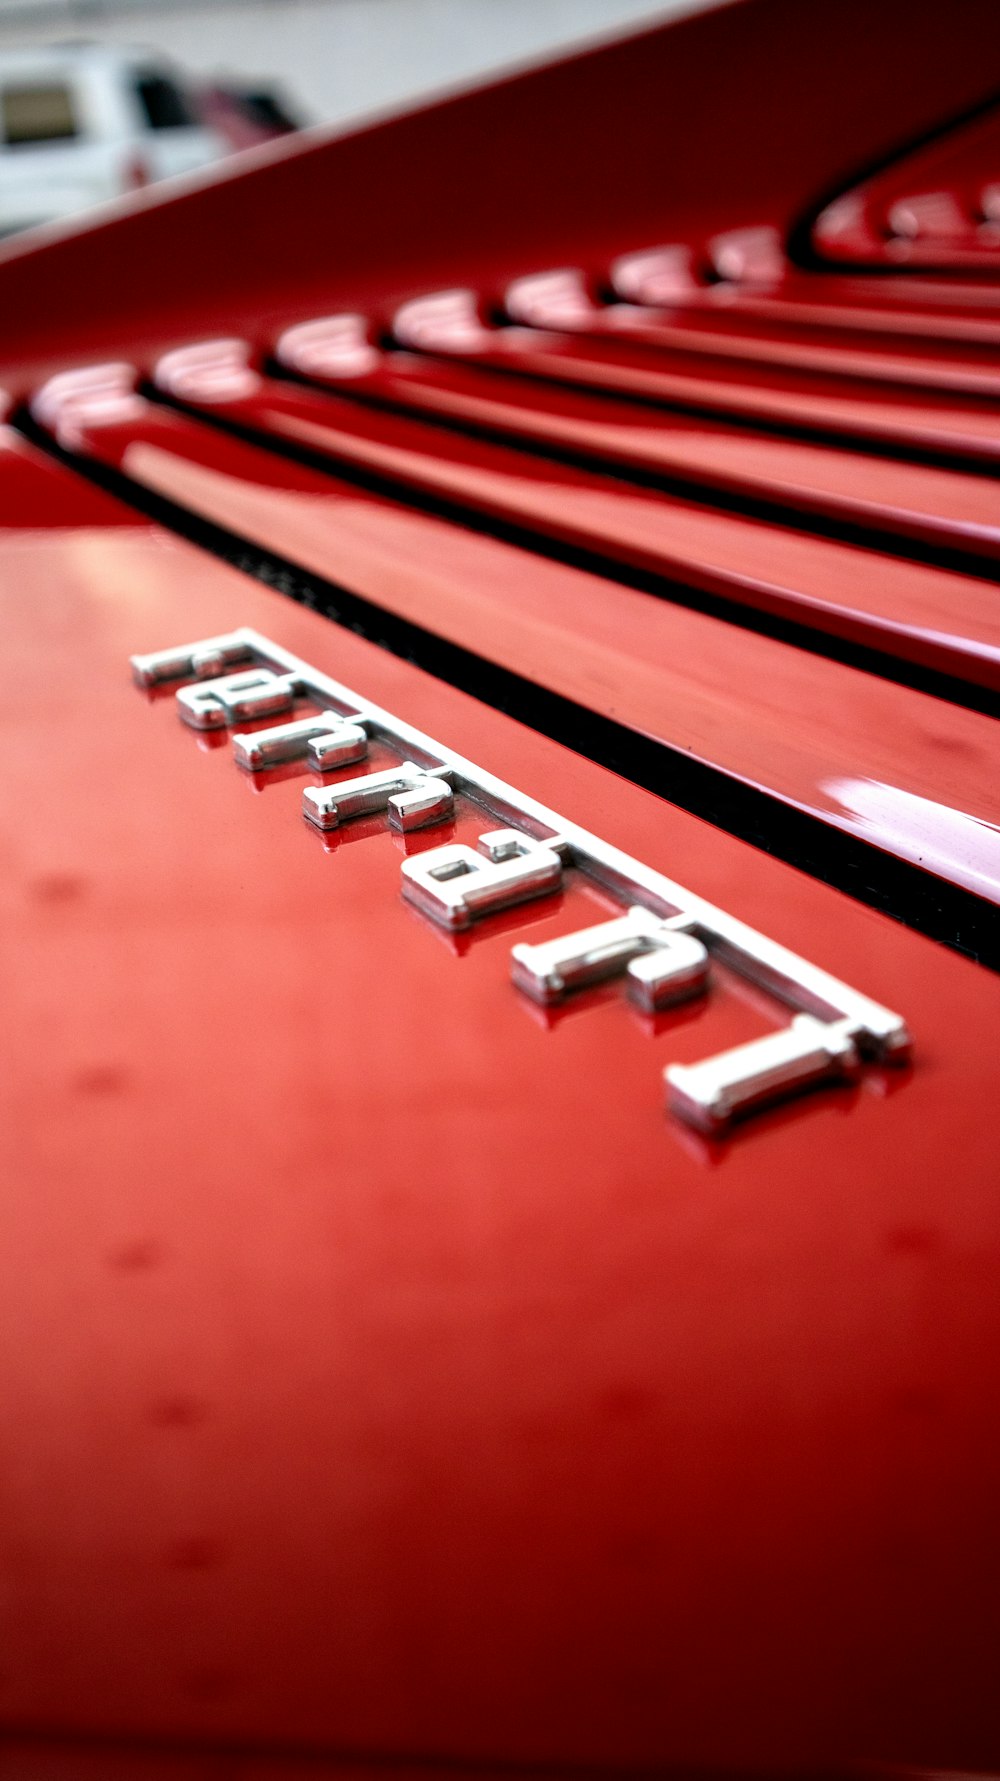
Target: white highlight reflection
964 848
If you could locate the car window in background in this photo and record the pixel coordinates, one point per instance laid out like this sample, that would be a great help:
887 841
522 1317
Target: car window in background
163 103
33 114
270 111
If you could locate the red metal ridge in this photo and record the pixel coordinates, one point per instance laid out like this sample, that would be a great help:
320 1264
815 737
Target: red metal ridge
744 115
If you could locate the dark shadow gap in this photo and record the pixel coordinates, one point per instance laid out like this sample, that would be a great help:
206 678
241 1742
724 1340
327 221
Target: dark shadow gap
879 540
969 463
943 912
609 568
328 1762
799 246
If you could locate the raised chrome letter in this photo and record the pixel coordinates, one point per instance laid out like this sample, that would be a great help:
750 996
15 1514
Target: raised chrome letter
328 740
661 963
413 798
711 1094
457 886
200 660
666 936
257 692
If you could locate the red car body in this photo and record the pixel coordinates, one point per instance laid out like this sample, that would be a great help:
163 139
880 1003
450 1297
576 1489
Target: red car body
392 1381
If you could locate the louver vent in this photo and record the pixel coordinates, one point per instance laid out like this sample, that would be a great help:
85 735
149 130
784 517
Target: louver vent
736 535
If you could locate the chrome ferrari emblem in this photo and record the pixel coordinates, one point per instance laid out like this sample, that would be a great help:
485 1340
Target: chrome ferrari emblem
661 947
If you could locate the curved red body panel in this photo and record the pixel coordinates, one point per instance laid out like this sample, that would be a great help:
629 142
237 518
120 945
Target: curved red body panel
741 116
394 1379
392 1346
746 704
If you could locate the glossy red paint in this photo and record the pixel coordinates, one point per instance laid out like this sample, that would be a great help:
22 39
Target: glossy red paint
951 427
98 1759
906 304
938 507
931 616
386 1373
787 298
937 207
889 764
560 300
389 1383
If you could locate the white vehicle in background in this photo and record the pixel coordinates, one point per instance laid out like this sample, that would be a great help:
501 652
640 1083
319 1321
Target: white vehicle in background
80 123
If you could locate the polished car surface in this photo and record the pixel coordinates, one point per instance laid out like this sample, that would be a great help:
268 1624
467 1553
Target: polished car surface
556 1333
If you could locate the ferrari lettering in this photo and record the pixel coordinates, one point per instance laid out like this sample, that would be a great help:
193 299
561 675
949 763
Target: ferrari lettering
660 962
662 946
193 661
712 1093
236 698
456 885
326 741
412 797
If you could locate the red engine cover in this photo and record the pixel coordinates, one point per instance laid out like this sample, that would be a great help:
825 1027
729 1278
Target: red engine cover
392 1381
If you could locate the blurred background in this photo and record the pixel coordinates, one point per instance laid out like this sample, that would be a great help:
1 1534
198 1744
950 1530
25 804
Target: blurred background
98 97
